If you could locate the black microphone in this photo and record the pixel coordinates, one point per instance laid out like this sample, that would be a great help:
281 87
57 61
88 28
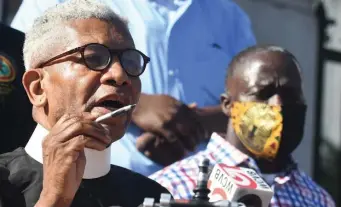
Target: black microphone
200 197
201 191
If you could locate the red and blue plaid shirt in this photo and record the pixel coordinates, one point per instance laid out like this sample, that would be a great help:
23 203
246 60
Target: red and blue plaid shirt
291 188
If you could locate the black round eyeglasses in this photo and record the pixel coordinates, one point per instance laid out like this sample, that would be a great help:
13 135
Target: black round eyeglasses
99 57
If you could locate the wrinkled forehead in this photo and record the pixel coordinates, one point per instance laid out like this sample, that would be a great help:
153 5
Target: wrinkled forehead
267 70
115 35
265 75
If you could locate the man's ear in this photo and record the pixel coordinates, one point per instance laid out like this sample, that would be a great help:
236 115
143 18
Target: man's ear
32 82
225 103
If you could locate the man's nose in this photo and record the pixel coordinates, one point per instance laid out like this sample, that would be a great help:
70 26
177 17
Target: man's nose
275 100
115 74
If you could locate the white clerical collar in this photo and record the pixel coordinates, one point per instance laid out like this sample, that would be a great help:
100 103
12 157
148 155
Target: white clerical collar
97 162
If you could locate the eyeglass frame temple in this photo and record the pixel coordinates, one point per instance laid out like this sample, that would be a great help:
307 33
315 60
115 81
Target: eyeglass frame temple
77 49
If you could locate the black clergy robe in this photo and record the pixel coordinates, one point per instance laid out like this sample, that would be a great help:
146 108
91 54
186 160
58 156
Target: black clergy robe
21 183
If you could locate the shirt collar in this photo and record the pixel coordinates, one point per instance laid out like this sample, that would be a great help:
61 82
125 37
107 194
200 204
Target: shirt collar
223 152
97 162
33 146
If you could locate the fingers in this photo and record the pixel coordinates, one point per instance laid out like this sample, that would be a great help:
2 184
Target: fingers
197 128
89 129
185 126
71 117
77 125
72 133
161 151
177 150
93 139
180 143
166 153
145 141
186 134
63 151
80 142
73 149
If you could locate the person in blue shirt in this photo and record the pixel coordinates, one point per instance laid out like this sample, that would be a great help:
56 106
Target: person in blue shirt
190 43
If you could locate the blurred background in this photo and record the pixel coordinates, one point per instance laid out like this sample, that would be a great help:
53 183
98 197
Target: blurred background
311 30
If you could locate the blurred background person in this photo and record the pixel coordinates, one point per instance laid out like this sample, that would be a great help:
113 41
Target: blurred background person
266 106
190 44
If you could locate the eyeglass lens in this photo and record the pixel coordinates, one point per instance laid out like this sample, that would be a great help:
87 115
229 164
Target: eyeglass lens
97 57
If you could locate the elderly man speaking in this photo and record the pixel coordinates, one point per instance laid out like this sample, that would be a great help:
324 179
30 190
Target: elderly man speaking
81 63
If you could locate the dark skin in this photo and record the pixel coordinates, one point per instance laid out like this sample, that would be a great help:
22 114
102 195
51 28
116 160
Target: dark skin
173 128
271 77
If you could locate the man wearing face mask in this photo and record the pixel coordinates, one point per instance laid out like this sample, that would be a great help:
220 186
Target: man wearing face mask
266 106
81 63
165 126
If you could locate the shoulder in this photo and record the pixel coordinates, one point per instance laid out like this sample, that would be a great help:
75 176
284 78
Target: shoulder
310 192
18 162
22 168
20 179
9 195
7 158
18 159
323 197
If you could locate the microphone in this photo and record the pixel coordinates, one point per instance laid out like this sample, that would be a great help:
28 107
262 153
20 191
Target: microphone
200 197
238 184
201 191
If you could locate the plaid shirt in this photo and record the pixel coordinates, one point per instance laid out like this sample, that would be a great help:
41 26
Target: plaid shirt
291 188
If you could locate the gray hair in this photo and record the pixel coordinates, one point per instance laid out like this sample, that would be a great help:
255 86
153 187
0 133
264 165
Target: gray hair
48 31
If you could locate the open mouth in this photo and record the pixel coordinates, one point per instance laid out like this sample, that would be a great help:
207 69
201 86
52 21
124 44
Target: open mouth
111 104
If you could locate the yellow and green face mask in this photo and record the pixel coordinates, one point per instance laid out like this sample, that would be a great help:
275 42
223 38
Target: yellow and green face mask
259 127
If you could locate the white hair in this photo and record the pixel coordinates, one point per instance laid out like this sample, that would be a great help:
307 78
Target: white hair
48 31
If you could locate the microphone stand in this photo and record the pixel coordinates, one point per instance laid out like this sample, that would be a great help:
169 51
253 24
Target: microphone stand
200 197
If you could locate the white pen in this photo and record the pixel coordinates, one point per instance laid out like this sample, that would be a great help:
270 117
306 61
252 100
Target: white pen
117 112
